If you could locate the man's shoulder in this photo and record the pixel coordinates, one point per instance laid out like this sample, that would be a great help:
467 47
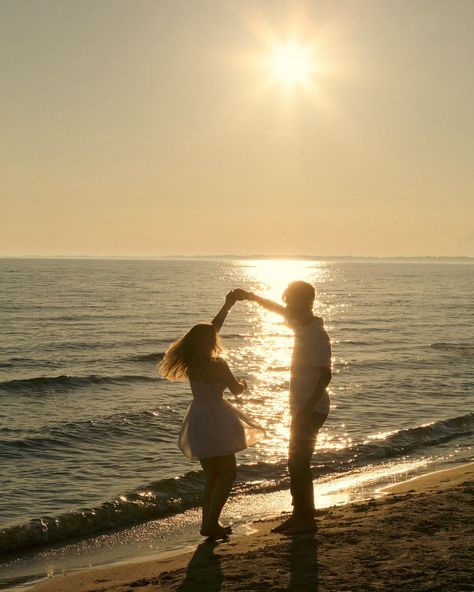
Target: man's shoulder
318 323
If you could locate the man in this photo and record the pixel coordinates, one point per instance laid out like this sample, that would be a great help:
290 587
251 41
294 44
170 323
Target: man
309 399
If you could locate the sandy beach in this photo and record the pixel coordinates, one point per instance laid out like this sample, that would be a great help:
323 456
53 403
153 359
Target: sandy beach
417 536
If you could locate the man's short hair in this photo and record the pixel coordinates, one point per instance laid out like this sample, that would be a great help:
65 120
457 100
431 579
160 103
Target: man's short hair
300 292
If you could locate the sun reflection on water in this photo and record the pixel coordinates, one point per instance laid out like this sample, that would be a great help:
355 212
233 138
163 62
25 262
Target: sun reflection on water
272 276
266 350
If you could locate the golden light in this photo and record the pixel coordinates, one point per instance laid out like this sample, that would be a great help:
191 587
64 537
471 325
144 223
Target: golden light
292 64
273 275
286 68
265 352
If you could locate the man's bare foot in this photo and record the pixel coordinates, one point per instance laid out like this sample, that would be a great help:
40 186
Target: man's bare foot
284 525
216 532
300 527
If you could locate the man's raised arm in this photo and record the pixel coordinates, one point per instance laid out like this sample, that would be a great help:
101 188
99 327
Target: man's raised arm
268 304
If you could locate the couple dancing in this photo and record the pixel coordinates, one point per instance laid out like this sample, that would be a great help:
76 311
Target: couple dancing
214 430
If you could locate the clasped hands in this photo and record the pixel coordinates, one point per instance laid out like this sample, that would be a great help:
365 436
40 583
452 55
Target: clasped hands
238 294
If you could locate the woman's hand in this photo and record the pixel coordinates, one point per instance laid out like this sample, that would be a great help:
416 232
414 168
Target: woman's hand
243 382
230 298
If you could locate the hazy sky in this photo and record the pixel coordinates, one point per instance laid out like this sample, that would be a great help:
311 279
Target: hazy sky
157 127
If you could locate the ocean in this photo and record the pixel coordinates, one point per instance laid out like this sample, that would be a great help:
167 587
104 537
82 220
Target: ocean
88 429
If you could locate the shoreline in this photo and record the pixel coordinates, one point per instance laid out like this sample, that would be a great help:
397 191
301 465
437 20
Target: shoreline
411 511
163 537
433 480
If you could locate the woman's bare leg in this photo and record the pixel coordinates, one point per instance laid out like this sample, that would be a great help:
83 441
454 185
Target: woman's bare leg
210 474
225 468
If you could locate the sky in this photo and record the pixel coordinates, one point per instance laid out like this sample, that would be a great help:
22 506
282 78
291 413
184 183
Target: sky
157 128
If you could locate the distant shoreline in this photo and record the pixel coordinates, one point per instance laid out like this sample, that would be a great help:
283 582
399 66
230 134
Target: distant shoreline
248 257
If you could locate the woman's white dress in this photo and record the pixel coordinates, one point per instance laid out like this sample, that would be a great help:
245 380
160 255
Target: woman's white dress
214 427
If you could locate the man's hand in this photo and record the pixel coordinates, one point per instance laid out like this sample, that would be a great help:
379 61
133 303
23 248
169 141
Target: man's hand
242 294
307 409
324 380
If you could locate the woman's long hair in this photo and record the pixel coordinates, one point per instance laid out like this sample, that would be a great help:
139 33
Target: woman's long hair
189 357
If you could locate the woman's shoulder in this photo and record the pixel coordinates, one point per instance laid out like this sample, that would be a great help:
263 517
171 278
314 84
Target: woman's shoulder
218 362
218 365
219 368
213 373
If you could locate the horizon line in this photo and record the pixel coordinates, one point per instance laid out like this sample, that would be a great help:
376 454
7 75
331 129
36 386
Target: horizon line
235 256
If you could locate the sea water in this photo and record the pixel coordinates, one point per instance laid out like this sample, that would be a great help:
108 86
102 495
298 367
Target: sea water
88 429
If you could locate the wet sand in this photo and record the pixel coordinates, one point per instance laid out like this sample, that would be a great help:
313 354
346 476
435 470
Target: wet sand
417 537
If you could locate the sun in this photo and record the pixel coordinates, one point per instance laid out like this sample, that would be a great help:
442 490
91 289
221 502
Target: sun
292 64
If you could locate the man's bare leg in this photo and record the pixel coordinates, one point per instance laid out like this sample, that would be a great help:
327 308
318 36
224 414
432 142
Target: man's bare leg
288 523
302 522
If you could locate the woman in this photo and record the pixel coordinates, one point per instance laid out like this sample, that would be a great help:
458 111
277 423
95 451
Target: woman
213 430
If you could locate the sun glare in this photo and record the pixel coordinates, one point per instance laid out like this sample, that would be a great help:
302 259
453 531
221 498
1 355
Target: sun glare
269 341
289 67
292 64
273 275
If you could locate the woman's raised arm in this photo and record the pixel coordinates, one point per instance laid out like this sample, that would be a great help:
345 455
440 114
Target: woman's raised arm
220 317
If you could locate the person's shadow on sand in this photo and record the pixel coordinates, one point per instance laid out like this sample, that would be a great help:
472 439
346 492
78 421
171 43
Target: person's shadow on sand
303 564
203 571
299 556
